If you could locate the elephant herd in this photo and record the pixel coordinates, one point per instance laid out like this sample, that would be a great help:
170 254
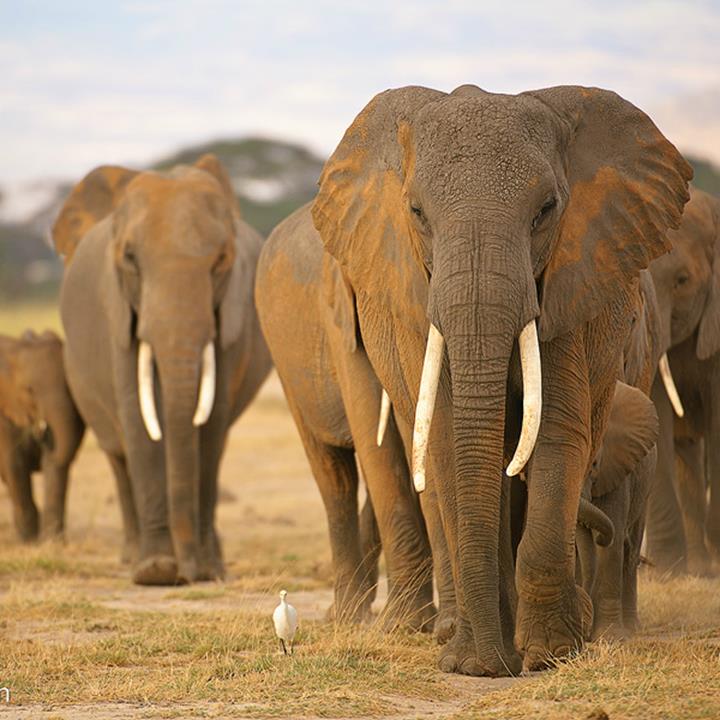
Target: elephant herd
494 279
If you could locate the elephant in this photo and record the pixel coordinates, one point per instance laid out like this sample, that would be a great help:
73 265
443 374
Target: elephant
683 527
621 475
335 400
158 286
40 429
490 245
618 484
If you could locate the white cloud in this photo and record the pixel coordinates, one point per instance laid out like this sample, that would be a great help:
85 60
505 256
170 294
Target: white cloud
179 72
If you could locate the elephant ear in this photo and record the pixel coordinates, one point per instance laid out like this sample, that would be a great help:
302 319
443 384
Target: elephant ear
359 210
210 164
631 434
237 302
708 342
340 300
238 295
16 401
91 200
627 185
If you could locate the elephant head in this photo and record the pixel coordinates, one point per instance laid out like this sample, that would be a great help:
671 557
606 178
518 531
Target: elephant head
487 214
34 394
687 279
177 281
631 434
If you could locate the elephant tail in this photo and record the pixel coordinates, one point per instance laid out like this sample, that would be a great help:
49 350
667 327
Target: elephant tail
593 518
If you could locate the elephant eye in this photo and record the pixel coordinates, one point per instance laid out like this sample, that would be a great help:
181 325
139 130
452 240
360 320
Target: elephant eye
416 210
221 263
130 258
545 210
681 279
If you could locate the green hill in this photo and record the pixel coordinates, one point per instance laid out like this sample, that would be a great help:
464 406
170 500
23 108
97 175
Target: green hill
707 176
271 178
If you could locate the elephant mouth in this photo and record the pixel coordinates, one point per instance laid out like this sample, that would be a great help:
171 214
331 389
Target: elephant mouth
532 401
146 389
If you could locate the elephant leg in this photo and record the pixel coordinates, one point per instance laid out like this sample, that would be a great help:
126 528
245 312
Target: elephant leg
712 468
446 619
402 533
131 530
666 546
402 530
508 594
370 546
211 566
586 569
52 521
19 481
336 475
607 596
631 563
157 564
690 474
554 614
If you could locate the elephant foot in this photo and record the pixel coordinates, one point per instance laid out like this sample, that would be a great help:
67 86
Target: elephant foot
52 532
613 632
445 625
667 566
699 563
187 571
157 570
417 616
349 616
353 608
460 656
211 571
130 552
211 565
547 632
28 528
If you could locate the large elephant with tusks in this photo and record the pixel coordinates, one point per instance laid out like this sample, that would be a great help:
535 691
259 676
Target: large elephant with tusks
500 238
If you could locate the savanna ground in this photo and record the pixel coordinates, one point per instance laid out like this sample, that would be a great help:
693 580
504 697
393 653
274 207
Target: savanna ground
79 641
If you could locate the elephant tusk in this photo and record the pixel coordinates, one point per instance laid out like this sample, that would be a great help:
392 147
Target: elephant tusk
206 396
384 416
146 391
426 404
532 397
669 383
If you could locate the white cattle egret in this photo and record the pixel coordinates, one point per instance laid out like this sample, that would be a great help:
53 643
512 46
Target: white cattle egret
285 620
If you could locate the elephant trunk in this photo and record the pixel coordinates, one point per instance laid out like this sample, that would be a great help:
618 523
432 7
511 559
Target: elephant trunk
484 301
179 375
593 518
186 371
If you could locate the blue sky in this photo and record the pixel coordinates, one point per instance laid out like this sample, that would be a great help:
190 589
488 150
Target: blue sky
82 83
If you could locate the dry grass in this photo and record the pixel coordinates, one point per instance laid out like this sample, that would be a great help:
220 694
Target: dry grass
79 641
37 315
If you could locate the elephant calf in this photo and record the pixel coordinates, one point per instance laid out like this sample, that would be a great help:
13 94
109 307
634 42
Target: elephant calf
40 429
163 350
618 484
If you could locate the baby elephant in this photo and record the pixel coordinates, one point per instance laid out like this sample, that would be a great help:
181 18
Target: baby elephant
40 429
618 483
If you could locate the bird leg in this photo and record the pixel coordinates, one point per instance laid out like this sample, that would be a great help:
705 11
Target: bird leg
282 646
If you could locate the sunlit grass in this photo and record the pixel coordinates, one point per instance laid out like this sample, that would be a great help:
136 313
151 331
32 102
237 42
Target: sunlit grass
16 317
79 638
